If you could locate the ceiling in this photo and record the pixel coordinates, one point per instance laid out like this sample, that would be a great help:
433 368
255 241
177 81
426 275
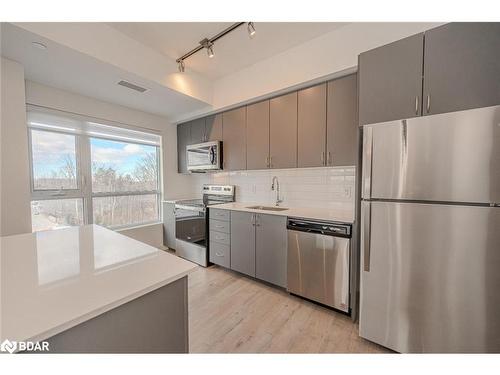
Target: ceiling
233 52
62 67
69 69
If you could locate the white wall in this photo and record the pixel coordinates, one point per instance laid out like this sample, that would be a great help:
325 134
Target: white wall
320 57
15 183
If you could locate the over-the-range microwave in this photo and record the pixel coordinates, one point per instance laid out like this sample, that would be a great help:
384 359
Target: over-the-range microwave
204 157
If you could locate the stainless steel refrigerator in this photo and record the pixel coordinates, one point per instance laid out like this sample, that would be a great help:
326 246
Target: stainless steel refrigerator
430 233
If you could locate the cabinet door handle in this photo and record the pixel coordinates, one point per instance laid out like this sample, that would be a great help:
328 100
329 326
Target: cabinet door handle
322 157
329 158
428 103
416 105
267 162
219 254
270 162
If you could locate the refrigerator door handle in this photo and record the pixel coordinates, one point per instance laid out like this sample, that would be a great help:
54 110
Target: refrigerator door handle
367 162
367 217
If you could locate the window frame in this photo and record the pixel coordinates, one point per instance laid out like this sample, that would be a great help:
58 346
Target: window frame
83 156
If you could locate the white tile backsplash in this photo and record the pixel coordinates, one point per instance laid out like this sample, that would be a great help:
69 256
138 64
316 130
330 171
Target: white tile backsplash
331 187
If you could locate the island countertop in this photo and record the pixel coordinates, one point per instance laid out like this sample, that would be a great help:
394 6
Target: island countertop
54 280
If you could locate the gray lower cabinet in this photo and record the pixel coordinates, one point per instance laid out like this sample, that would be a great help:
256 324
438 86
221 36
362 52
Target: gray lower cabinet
259 246
283 131
271 249
169 224
220 254
219 237
390 81
243 242
312 126
183 139
461 67
342 122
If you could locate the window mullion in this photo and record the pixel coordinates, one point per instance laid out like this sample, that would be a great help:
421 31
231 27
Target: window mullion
86 177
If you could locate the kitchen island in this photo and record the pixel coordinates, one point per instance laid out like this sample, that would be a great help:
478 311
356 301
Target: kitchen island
88 289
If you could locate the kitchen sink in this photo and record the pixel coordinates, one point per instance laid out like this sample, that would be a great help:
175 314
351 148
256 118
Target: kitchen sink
267 208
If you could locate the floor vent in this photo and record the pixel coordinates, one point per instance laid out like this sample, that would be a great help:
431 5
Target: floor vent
131 86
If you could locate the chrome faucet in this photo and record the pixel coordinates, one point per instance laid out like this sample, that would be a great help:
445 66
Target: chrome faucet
276 185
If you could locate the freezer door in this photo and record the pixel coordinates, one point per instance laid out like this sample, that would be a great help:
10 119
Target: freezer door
452 157
433 281
318 268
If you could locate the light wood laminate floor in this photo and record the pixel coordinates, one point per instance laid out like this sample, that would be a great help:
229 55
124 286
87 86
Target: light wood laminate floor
231 313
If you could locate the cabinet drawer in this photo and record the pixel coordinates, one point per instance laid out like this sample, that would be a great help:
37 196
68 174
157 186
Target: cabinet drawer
220 237
220 226
219 214
219 254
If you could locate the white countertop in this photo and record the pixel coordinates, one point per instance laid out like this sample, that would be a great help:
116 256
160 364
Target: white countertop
177 200
344 216
54 280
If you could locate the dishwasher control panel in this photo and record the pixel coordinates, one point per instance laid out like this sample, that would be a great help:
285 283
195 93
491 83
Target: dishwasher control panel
323 227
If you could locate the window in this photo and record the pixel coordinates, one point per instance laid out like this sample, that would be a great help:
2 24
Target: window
87 172
54 160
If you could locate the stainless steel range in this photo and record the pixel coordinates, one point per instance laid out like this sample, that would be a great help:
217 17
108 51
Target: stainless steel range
191 222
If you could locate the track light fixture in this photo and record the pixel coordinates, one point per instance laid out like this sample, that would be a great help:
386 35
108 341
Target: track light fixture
208 43
251 29
205 43
181 65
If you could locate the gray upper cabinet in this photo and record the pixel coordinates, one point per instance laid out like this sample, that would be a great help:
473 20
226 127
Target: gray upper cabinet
461 67
283 131
213 128
342 122
197 131
312 126
169 224
183 139
257 135
233 136
390 86
243 242
271 249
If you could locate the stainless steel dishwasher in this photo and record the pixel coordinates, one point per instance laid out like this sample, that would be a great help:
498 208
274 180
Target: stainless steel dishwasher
318 261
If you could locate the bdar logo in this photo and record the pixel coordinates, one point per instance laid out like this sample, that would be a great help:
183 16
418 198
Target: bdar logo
8 346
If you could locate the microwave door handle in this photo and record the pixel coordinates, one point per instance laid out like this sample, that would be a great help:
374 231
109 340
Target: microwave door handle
212 155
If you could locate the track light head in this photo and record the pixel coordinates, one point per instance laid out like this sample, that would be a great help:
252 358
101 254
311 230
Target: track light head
210 51
251 29
181 66
206 43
